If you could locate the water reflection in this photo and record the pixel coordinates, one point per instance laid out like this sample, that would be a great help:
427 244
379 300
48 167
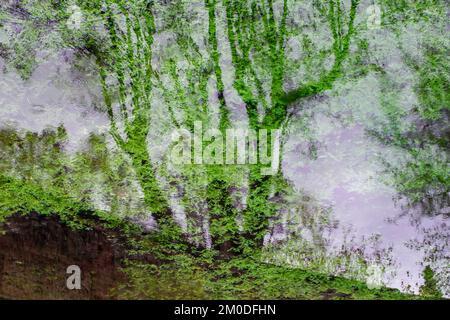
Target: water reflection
57 93
352 218
342 168
347 214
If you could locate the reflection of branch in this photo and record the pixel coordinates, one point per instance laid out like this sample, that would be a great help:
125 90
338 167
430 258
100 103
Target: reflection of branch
341 44
117 138
118 66
113 130
240 24
341 49
129 59
251 38
224 117
238 21
169 106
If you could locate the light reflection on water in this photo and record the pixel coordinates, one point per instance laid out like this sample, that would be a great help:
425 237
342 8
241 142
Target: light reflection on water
346 174
55 94
342 169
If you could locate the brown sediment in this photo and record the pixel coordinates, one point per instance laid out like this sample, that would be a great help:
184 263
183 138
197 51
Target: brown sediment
35 252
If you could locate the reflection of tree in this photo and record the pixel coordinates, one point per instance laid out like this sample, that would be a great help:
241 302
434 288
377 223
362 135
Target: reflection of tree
129 59
423 179
257 42
95 175
308 241
254 34
434 243
34 157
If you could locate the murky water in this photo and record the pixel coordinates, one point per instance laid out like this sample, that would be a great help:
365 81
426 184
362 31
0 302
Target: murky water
336 162
346 175
342 167
36 251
